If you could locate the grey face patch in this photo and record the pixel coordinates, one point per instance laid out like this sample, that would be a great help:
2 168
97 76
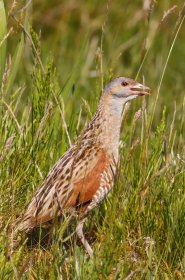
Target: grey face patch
119 81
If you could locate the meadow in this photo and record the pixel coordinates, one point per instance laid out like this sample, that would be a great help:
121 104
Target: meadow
55 57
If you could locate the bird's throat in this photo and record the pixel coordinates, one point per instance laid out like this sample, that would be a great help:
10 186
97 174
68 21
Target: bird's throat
109 116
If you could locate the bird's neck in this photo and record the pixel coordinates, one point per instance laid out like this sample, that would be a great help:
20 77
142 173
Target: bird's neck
107 120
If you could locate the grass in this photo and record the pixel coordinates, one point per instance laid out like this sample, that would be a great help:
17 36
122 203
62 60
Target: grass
49 90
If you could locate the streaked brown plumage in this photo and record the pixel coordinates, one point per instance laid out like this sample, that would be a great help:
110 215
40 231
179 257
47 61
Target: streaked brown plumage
84 175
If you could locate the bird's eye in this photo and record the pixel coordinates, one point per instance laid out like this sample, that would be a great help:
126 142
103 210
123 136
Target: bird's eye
124 84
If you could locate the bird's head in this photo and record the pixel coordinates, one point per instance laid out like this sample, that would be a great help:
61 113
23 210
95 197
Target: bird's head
124 89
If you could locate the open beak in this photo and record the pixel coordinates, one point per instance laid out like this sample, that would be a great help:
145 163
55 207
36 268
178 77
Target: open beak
140 90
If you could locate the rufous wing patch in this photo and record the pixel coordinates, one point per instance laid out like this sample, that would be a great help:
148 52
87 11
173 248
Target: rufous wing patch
85 188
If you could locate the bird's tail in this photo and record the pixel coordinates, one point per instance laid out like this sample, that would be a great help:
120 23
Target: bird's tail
21 224
25 223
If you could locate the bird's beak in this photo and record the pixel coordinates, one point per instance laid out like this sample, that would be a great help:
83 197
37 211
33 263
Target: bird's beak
140 90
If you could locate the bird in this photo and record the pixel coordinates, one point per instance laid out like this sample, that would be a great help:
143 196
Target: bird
82 178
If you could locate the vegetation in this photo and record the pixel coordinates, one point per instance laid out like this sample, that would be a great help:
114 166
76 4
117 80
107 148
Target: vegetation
54 58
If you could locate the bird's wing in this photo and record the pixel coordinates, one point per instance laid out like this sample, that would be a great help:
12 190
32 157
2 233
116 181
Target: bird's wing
72 182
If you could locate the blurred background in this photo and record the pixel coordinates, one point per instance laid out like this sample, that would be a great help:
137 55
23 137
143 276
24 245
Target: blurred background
110 38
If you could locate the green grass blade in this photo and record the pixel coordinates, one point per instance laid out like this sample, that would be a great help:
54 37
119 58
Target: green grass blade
75 72
17 57
3 30
15 63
